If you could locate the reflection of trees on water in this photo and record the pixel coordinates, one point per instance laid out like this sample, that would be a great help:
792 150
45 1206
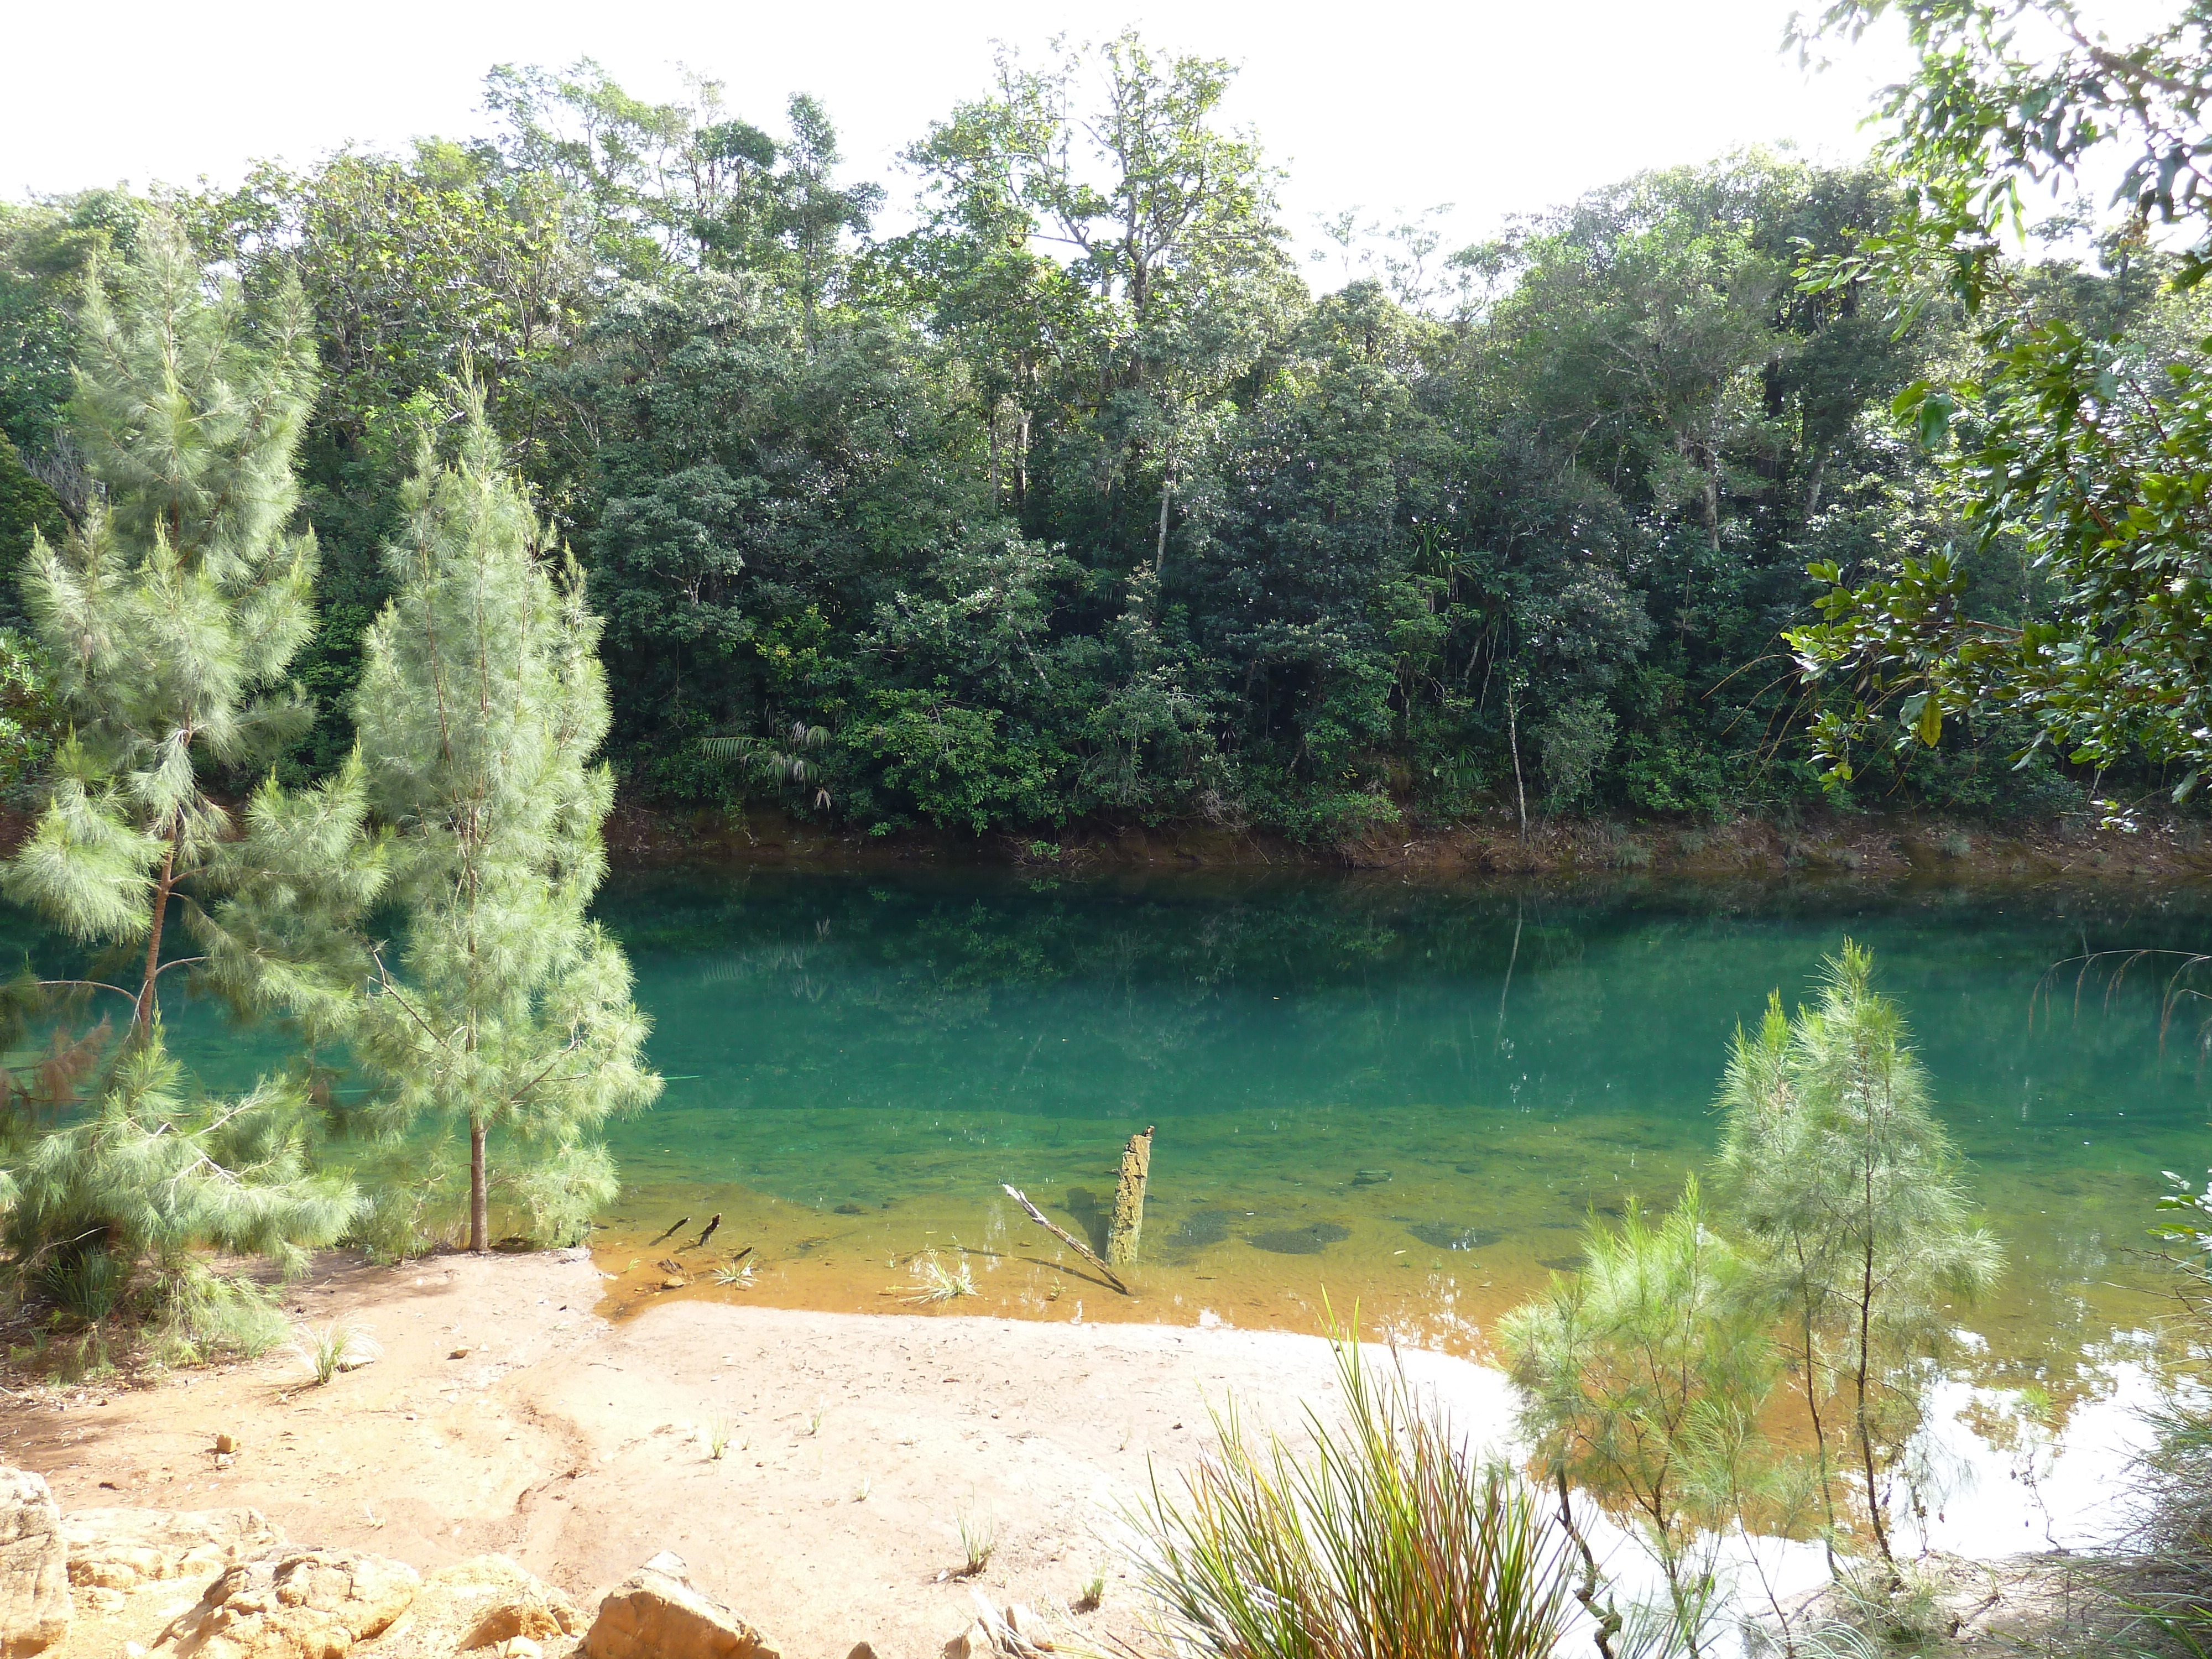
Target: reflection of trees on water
1374 992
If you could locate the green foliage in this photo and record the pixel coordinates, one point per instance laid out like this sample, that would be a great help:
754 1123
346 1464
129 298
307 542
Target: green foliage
1074 503
480 705
1388 1539
1847 1192
1574 742
2079 442
1837 1258
1642 1377
169 613
338 1347
110 1210
28 728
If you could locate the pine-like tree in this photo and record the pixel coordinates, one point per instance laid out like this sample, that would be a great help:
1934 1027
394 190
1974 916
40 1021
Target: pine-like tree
480 706
1642 1378
169 614
1847 1192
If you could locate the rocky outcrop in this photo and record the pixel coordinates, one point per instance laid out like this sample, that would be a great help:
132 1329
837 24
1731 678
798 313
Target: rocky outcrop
484 1603
122 1549
657 1612
309 1604
34 1597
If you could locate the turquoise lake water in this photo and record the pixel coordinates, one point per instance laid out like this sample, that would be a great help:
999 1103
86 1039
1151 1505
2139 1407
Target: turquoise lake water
1409 1097
1355 1078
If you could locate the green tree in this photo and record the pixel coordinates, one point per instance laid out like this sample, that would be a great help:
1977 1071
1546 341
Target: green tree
1847 1191
170 613
2089 446
1642 1378
1168 223
481 704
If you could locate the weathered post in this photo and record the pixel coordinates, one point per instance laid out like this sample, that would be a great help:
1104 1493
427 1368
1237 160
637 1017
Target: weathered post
1129 1200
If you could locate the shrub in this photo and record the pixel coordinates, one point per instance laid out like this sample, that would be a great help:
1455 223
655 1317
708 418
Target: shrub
1574 742
1391 1538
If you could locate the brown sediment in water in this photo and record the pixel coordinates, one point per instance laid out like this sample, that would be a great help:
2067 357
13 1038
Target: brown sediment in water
1410 1266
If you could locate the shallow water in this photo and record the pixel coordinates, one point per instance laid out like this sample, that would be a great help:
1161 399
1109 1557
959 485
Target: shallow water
1404 1099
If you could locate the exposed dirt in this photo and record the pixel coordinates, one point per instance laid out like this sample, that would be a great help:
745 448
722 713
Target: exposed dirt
1892 845
855 1444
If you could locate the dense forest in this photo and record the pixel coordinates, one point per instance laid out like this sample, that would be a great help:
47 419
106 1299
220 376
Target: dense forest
1078 498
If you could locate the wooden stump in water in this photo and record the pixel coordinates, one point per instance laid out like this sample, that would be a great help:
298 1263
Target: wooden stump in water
1129 1200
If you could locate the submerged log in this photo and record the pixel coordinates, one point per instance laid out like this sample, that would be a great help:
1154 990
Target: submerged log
699 1242
1129 1200
1066 1238
671 1233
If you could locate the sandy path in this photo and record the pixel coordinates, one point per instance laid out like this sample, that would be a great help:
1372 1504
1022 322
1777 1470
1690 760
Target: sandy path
856 1441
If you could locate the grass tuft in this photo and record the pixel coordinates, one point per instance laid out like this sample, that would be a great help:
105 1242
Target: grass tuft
979 1539
338 1347
934 1282
1391 1525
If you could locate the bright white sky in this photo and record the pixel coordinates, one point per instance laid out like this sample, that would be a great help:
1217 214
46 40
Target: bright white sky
1497 105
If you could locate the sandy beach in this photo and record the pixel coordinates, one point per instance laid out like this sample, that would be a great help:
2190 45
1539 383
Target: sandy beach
505 1414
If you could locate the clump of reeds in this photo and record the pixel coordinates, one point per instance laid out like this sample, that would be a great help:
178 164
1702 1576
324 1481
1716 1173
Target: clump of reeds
935 1282
1390 1525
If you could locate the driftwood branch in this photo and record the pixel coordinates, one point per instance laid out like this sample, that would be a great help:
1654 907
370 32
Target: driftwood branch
1067 1238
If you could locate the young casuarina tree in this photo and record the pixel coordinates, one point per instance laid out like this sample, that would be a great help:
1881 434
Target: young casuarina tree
1642 1378
172 611
481 704
169 613
1846 1192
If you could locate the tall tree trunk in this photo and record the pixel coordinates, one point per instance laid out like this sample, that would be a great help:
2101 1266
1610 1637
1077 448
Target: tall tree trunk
991 437
1602 1613
1513 737
479 1203
142 1016
1813 1409
1160 543
1865 1429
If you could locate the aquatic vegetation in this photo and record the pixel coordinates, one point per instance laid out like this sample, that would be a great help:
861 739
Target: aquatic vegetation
1391 1524
737 1274
934 1282
1201 1228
